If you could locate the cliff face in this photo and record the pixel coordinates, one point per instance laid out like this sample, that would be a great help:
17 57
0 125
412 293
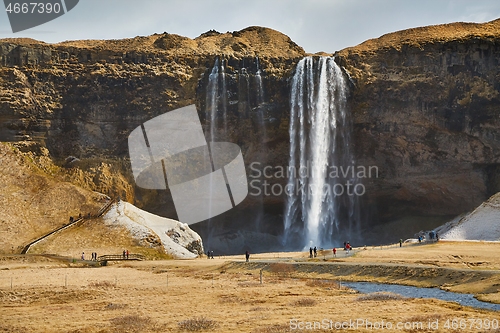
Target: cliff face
425 105
83 98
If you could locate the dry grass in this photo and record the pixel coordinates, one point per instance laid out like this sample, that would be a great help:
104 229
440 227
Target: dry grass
425 317
102 284
197 324
305 301
115 306
380 296
277 328
230 299
39 289
282 269
418 37
326 284
132 323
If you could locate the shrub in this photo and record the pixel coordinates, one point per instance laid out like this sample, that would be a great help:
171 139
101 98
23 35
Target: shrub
306 301
132 323
197 324
101 284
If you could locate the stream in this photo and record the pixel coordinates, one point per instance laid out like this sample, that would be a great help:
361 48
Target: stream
416 292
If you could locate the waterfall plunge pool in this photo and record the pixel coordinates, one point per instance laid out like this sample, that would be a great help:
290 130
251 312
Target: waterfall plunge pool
417 292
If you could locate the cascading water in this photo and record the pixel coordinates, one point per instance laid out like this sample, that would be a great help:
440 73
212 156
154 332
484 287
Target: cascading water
212 98
319 210
234 92
258 83
224 96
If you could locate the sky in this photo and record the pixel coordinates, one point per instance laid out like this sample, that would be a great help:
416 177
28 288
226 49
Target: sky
316 25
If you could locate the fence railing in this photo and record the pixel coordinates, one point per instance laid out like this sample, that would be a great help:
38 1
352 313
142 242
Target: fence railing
100 213
118 257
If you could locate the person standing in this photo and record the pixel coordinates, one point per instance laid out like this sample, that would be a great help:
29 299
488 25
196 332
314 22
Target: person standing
334 252
124 254
247 255
310 252
400 242
127 254
315 252
83 255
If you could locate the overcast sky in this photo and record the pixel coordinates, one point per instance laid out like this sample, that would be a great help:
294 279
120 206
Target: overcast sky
316 25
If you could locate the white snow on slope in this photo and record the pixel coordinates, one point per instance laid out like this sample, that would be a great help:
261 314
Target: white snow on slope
174 235
482 224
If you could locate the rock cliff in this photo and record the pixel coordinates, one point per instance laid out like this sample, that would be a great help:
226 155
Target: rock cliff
426 112
425 105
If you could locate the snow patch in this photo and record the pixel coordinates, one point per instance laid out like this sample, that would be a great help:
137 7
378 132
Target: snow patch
482 224
176 237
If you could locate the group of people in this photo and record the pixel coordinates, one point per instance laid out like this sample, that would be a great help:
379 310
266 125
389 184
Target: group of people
313 251
94 256
125 254
73 219
210 254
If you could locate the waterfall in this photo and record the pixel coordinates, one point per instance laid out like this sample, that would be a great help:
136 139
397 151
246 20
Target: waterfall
224 96
319 210
258 83
212 99
234 92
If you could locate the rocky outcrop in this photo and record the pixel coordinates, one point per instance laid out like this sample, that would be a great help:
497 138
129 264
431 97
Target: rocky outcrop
424 102
177 239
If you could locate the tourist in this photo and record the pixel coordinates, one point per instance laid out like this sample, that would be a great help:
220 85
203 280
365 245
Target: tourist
334 252
247 255
315 252
208 254
83 255
127 254
124 254
212 254
310 252
400 242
